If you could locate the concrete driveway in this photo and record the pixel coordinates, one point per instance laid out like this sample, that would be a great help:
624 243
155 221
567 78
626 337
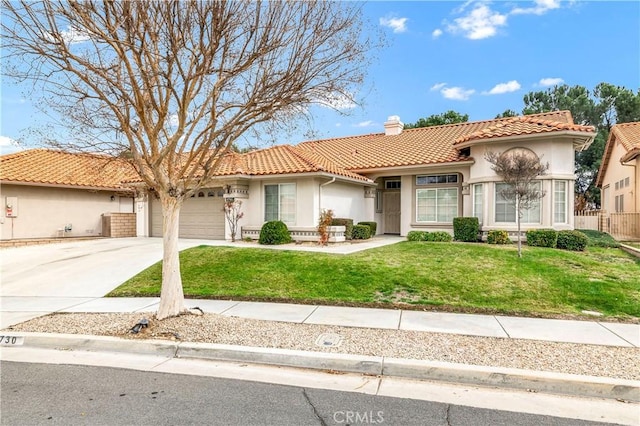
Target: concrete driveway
40 279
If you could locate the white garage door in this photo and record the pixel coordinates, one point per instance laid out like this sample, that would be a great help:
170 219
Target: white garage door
200 217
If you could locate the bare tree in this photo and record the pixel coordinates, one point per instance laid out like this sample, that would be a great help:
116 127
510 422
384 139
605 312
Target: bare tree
173 84
519 168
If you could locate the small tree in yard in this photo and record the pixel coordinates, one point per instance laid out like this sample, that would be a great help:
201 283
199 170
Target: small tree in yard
233 215
326 217
172 85
518 168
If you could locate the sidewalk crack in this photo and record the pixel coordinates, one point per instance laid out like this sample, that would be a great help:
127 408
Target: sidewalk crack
446 415
614 333
501 326
313 407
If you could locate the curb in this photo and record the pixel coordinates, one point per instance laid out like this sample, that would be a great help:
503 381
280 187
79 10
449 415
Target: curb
509 378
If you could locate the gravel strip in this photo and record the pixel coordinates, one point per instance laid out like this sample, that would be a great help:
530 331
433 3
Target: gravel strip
592 360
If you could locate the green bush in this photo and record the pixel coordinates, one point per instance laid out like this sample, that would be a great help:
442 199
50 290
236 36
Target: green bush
438 236
347 223
416 235
466 229
572 240
274 232
599 239
542 237
372 225
361 232
497 236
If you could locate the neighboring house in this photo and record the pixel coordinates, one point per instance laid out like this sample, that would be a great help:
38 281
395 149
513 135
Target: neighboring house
417 179
619 174
49 194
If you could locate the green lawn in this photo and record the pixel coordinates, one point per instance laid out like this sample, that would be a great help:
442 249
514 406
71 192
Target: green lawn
453 276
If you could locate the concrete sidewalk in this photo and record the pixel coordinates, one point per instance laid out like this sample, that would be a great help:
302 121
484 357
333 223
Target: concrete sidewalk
581 332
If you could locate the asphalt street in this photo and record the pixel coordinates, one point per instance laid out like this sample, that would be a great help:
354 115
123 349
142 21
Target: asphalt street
51 394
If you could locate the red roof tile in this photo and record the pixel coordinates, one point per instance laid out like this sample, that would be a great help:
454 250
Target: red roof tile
429 145
628 134
48 167
520 126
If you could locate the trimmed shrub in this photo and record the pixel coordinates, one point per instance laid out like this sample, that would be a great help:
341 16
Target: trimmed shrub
542 237
466 229
416 235
347 223
274 232
361 232
498 236
372 225
438 236
572 240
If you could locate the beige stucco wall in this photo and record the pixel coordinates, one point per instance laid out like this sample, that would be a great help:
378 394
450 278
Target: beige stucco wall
345 199
557 152
43 211
616 172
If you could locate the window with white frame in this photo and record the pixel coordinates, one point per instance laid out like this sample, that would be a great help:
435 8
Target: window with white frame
477 201
280 203
560 201
505 209
436 204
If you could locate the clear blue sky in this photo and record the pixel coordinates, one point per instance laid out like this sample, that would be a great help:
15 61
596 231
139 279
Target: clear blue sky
477 58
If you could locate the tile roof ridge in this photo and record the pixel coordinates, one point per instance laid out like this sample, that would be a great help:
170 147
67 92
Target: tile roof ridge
554 123
627 124
366 135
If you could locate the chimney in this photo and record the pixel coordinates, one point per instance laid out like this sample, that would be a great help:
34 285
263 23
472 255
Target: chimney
393 126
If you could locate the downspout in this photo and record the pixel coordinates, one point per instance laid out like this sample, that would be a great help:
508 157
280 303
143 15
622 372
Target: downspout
320 193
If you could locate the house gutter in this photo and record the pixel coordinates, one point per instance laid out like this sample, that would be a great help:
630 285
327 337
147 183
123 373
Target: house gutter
333 179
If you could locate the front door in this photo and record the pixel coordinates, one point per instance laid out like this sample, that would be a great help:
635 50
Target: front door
391 203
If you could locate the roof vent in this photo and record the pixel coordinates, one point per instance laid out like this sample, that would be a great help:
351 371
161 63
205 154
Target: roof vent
393 126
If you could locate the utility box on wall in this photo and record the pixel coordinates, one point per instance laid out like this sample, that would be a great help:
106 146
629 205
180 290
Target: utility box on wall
11 207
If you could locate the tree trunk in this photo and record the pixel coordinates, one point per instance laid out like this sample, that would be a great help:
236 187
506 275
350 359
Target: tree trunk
171 295
519 219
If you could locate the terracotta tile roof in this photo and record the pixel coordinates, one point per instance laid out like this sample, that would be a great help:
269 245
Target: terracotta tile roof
519 126
347 156
629 136
280 159
49 167
427 145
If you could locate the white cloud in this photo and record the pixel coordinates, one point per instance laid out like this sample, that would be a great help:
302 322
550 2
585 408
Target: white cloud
481 22
8 145
541 7
508 87
547 82
74 36
437 86
398 25
367 123
457 93
436 33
